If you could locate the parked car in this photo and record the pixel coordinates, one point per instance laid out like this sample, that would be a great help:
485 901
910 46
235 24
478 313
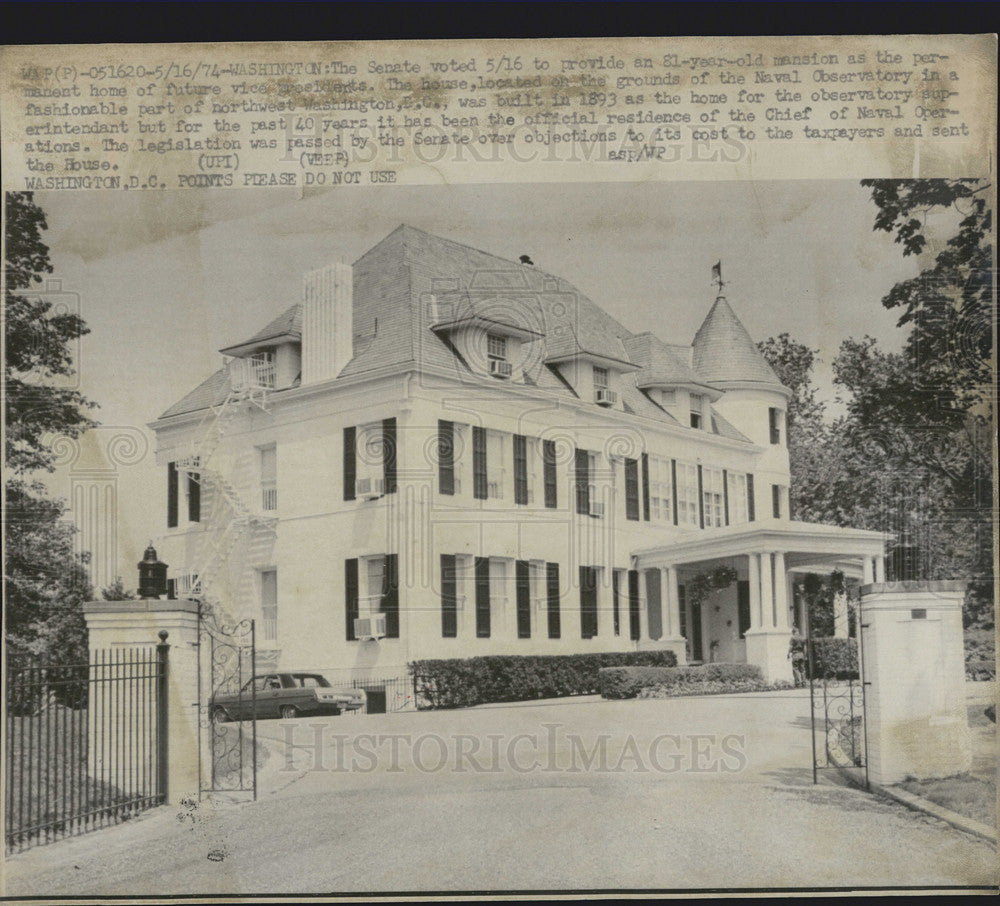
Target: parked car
284 695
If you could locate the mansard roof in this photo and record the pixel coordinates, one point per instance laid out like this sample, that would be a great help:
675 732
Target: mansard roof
404 282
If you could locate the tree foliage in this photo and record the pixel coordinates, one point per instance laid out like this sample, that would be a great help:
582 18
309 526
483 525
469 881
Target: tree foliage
46 578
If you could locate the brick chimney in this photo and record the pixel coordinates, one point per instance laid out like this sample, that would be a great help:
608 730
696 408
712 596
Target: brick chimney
327 322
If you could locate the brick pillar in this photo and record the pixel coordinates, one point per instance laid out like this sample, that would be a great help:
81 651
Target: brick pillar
137 624
914 663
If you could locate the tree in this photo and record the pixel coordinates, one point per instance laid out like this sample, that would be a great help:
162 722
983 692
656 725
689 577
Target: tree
117 591
46 579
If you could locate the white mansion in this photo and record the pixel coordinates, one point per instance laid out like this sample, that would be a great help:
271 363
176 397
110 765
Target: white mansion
441 453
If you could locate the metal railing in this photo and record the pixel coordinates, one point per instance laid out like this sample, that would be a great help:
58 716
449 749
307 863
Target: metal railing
269 496
85 743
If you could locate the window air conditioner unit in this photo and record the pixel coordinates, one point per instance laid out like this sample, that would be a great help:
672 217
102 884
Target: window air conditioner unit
372 627
369 488
596 508
605 397
500 369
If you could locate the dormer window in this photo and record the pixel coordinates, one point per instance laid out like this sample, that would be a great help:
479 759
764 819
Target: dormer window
600 378
496 348
695 419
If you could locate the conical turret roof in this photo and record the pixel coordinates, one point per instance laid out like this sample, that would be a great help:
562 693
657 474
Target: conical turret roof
724 353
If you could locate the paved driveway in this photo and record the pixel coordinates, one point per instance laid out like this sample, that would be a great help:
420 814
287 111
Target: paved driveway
713 792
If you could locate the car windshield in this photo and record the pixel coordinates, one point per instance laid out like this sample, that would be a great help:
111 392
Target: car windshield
311 680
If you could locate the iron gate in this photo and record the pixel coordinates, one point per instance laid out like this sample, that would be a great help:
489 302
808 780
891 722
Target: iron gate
227 702
837 697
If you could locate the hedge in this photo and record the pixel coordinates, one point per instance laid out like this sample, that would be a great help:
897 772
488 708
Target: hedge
658 682
463 682
835 658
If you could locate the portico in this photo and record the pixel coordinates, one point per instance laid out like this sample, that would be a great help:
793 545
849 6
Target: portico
750 621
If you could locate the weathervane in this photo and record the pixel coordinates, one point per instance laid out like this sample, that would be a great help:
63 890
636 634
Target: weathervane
717 276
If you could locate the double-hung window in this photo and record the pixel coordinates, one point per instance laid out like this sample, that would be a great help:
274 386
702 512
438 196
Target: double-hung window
712 497
687 494
660 491
496 347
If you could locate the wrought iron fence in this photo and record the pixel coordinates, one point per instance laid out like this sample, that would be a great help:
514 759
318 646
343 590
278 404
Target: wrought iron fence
85 743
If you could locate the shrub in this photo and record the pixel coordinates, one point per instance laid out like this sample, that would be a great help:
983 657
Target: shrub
628 682
463 682
835 659
980 663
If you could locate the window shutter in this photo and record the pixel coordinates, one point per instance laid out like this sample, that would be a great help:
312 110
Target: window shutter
615 592
645 487
172 489
743 606
479 480
588 602
582 470
446 457
520 469
701 501
549 469
390 596
632 490
523 582
482 597
389 450
725 494
194 497
449 598
772 417
633 604
751 505
776 500
673 485
552 594
351 596
350 462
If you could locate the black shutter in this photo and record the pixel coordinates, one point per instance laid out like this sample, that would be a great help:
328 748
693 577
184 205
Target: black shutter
479 481
701 502
194 497
588 602
446 457
632 490
482 597
172 489
751 504
523 582
673 486
615 592
351 596
350 462
389 604
776 500
520 469
633 604
645 487
582 476
743 606
772 418
449 598
549 467
389 455
552 593
725 494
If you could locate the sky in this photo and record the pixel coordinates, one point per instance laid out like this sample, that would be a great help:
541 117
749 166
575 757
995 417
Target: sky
164 279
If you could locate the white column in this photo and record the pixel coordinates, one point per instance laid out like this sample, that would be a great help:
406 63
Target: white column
605 603
867 571
880 569
766 592
753 569
668 599
840 623
780 592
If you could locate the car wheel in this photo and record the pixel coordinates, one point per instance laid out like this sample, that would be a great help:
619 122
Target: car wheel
288 712
219 716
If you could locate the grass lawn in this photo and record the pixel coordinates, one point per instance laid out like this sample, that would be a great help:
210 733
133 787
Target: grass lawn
973 795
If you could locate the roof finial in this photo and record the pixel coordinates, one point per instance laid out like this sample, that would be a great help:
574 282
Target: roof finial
717 275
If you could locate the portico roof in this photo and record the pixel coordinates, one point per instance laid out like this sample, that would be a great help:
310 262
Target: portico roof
816 543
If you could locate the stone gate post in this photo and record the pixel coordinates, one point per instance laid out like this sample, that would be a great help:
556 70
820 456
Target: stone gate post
914 661
137 624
